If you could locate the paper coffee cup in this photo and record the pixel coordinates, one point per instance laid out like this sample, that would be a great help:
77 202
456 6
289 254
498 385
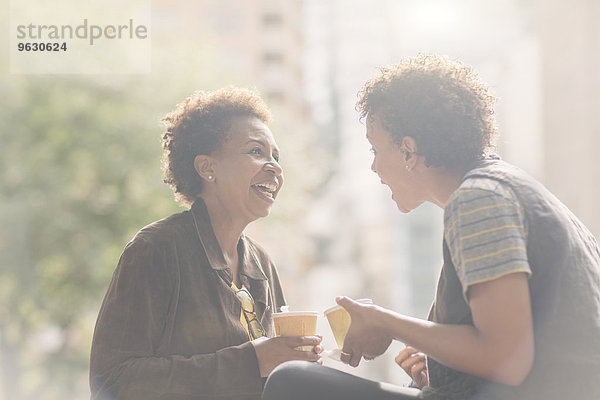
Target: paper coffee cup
296 323
339 321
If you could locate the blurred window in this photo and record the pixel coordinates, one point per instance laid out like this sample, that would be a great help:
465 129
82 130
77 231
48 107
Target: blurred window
272 20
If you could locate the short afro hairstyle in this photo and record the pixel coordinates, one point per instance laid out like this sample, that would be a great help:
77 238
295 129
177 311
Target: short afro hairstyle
199 125
439 102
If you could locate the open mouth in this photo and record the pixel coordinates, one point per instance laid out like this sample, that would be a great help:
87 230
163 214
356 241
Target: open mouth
267 190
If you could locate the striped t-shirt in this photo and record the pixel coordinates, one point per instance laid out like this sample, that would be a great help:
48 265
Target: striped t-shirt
485 231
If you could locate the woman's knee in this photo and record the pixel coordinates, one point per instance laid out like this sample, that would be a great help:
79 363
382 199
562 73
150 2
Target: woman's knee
285 377
288 371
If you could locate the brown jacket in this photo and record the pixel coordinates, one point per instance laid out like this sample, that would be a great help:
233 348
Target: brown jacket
169 326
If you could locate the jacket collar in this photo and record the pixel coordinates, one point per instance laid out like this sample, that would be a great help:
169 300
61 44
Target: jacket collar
249 265
482 161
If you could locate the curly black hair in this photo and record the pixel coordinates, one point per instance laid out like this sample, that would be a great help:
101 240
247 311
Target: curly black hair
199 125
439 102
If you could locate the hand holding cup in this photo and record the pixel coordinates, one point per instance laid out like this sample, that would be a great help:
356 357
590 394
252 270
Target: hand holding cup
296 340
363 338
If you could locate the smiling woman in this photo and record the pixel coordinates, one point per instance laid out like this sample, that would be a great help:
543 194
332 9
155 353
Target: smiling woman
188 312
243 176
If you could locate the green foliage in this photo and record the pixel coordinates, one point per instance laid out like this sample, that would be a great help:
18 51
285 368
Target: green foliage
80 174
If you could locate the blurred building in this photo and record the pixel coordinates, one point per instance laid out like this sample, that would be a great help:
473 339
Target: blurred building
366 248
570 52
261 42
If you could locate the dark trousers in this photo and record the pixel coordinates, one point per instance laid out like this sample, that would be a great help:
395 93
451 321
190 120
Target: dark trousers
302 380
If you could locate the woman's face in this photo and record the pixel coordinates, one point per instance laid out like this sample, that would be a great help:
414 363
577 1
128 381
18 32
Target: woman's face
247 174
389 163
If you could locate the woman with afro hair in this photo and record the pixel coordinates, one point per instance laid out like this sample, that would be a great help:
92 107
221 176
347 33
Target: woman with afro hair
187 314
516 315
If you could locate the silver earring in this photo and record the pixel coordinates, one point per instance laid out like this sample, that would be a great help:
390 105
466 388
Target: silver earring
407 167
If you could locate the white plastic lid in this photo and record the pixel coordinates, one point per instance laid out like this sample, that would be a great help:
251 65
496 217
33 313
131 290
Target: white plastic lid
294 313
337 307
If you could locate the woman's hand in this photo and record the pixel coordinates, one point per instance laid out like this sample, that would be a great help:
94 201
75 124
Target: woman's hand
366 337
414 363
271 352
